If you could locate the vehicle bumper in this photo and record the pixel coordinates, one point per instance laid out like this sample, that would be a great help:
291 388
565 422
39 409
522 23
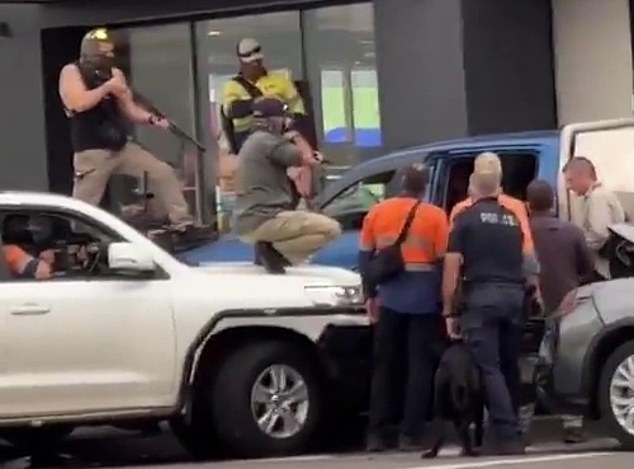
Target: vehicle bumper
347 352
559 371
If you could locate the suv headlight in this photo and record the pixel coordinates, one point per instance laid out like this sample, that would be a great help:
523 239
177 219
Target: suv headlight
333 295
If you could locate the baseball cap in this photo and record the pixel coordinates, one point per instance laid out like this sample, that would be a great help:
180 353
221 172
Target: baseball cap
249 50
487 163
269 107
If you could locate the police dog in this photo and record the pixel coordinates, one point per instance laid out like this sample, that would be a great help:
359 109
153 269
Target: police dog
458 398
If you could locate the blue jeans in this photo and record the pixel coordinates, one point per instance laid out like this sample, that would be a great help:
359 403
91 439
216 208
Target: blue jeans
492 327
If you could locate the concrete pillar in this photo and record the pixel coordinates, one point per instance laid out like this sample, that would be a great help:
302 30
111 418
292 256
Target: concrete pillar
420 70
593 59
508 65
454 68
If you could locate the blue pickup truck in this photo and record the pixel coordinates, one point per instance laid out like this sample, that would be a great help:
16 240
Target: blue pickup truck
525 156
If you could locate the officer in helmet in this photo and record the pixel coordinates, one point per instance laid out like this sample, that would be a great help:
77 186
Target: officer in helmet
265 209
100 106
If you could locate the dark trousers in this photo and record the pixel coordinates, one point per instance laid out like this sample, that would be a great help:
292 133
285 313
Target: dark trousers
491 326
415 339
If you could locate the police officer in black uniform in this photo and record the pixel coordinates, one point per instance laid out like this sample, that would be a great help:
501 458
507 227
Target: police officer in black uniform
488 251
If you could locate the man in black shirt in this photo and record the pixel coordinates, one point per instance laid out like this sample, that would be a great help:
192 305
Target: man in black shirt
101 108
488 250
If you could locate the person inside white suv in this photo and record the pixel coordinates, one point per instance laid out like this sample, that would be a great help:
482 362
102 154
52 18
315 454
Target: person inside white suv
16 237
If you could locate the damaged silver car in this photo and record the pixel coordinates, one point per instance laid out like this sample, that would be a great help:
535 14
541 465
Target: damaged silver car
586 360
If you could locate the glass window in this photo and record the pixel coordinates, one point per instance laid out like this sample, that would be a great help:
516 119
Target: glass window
279 35
341 69
158 63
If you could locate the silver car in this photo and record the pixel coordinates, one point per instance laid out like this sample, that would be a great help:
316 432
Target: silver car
586 360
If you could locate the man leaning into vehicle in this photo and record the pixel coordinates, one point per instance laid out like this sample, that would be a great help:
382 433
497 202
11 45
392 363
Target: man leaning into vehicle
488 249
593 209
566 262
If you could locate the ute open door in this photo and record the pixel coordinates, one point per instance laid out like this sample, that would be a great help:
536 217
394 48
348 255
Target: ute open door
609 144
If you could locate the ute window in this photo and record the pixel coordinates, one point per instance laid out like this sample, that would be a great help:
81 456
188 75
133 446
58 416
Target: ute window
519 169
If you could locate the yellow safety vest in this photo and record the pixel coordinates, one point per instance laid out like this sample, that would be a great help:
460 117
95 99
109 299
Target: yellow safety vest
271 84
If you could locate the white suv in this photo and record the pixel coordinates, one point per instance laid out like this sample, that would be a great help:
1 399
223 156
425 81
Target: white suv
123 332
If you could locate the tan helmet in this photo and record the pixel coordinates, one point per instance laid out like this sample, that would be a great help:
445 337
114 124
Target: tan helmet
90 49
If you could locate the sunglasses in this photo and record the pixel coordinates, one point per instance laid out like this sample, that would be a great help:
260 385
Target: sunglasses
257 50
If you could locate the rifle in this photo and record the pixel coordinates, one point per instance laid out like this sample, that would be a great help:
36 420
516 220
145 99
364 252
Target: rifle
178 132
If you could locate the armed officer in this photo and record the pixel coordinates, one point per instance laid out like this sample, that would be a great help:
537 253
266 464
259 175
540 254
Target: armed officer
488 250
253 81
101 108
265 215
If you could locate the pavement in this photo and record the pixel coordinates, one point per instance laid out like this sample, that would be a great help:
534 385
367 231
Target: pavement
448 460
107 448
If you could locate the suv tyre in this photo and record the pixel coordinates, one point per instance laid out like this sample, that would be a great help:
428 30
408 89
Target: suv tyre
616 394
266 400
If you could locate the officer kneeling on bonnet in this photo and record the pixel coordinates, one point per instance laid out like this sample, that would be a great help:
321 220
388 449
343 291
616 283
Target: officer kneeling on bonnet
265 203
494 286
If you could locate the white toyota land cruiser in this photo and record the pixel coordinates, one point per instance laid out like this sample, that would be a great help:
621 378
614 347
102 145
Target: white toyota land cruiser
125 334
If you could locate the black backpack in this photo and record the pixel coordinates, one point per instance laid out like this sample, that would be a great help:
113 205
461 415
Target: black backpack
227 123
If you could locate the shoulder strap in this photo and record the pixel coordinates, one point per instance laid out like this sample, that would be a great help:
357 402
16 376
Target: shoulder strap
408 223
253 90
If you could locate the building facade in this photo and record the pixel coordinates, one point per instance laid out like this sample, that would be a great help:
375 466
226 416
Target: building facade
377 75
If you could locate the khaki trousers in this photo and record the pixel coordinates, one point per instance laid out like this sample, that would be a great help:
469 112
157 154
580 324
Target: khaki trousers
97 166
297 235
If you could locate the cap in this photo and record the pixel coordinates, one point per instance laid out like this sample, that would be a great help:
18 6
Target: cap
269 107
249 50
487 163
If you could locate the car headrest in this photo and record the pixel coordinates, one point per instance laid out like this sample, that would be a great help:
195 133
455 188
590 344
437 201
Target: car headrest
15 229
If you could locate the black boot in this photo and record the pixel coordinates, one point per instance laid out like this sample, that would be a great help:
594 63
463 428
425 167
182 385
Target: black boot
257 254
271 259
375 443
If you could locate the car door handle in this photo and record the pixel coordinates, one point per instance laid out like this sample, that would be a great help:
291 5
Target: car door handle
30 310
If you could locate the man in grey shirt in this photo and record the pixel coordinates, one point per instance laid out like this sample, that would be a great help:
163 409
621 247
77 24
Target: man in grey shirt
265 214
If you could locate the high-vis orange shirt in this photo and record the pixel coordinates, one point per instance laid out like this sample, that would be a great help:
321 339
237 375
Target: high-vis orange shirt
428 233
16 258
510 203
417 289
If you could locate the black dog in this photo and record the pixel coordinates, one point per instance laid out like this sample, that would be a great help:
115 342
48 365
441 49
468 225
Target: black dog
458 398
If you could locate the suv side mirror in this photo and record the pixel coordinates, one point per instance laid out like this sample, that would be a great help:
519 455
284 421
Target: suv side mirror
127 257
